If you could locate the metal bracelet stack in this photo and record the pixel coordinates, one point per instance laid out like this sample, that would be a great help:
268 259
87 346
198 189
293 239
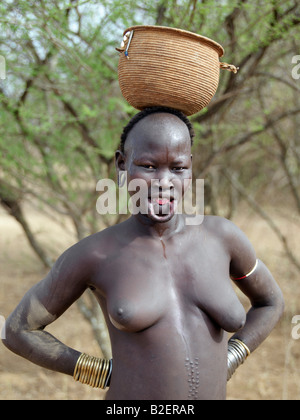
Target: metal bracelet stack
236 355
93 371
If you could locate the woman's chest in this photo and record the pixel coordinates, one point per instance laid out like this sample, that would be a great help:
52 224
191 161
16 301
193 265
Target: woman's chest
142 286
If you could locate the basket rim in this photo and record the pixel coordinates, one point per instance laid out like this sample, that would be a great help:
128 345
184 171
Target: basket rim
181 31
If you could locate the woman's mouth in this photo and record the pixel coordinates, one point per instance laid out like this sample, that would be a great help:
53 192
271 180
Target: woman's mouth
162 201
161 208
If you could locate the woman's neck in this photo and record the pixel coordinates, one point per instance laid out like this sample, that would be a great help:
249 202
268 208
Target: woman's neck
165 230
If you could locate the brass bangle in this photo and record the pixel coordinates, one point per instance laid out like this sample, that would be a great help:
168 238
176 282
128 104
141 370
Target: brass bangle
103 374
92 371
100 374
76 370
83 368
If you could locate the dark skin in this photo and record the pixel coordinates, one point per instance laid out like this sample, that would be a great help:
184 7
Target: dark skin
164 287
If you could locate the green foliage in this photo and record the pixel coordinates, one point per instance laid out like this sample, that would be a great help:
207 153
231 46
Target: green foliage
62 111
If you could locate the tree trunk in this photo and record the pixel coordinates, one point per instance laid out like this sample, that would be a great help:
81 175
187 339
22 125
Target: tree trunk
13 207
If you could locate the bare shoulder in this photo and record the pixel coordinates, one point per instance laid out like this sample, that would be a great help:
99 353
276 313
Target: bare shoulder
84 254
234 240
221 226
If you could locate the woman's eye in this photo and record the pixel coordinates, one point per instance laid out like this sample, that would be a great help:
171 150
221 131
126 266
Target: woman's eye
178 168
148 166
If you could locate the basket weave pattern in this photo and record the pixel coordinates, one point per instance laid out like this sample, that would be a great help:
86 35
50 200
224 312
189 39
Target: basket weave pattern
169 67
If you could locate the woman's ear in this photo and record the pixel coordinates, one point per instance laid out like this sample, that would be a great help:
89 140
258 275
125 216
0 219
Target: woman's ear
120 160
120 167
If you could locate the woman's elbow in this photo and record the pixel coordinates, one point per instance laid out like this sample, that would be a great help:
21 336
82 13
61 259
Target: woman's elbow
278 304
11 335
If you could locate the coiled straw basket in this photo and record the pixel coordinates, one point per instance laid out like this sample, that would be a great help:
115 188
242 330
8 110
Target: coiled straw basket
161 66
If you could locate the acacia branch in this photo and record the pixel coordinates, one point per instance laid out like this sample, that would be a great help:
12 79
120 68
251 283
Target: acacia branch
10 202
225 148
258 209
283 157
230 24
254 58
83 129
278 78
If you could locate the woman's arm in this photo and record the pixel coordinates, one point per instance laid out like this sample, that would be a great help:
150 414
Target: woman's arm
26 337
267 306
43 304
260 287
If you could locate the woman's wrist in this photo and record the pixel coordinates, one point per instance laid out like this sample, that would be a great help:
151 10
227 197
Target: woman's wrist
93 371
236 355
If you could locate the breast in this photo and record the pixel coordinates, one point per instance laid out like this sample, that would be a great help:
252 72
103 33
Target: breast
123 317
139 296
134 312
229 315
219 301
208 286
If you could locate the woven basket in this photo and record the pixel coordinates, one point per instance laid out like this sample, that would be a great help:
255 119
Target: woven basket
161 66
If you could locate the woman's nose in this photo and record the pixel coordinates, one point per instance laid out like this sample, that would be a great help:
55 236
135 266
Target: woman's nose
166 183
164 180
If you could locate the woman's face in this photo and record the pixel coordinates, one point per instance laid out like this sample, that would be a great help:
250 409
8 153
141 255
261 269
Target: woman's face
158 152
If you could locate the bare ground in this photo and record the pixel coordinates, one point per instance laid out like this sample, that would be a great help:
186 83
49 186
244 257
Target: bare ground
272 372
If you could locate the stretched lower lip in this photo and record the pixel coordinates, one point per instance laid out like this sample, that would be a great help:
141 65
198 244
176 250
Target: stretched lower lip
160 208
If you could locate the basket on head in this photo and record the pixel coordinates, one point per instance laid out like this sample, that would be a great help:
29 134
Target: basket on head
161 66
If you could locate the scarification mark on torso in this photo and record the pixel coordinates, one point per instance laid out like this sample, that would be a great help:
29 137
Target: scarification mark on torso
192 368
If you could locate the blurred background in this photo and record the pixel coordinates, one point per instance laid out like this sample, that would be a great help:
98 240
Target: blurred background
61 115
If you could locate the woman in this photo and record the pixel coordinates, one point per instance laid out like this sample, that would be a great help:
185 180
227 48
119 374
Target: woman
163 286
